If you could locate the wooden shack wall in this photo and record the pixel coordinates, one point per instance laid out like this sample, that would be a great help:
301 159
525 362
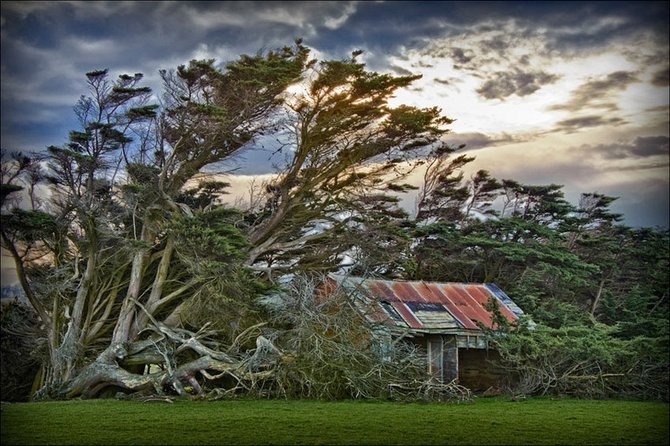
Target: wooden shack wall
474 367
477 369
441 355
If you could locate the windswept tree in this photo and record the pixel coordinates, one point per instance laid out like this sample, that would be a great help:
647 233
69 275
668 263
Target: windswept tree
142 271
209 116
346 143
83 221
115 213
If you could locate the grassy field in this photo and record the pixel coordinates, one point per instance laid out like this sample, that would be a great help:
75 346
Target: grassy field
485 421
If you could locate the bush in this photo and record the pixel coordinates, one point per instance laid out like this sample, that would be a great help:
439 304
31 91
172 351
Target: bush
583 361
19 366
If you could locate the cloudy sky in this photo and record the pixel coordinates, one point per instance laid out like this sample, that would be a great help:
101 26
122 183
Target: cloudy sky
574 93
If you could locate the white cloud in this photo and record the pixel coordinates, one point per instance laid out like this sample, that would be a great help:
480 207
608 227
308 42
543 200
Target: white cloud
206 51
305 17
87 47
213 19
468 59
336 22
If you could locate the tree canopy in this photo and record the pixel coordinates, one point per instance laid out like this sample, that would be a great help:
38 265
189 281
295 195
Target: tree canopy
141 282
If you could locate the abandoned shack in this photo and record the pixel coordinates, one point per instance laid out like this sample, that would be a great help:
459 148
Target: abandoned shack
441 318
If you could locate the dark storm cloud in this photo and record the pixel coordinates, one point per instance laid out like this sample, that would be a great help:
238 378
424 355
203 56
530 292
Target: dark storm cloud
640 147
575 124
584 26
660 108
597 93
643 203
460 56
498 44
649 146
648 202
476 140
33 127
641 184
400 70
493 54
490 33
48 46
144 30
640 167
448 80
503 84
565 27
46 41
661 78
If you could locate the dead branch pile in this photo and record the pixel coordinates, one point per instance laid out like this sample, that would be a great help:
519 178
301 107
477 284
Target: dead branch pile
318 348
333 352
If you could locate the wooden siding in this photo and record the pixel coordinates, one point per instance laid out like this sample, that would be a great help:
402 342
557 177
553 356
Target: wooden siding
477 369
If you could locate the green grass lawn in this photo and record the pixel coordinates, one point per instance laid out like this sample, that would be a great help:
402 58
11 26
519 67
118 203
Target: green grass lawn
485 421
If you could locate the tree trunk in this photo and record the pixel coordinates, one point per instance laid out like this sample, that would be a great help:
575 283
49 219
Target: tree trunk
157 288
261 233
596 300
23 280
69 350
122 330
105 371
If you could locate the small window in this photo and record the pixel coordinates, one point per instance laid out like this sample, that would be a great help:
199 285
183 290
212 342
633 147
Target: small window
424 306
391 311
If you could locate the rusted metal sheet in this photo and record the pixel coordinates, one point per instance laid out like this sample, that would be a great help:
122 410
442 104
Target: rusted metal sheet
450 305
431 306
482 295
376 314
468 304
431 294
407 314
406 292
379 289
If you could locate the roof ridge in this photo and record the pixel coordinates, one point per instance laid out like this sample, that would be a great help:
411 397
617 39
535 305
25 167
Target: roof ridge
347 276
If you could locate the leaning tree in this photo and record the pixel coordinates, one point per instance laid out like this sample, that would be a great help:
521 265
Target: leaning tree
135 269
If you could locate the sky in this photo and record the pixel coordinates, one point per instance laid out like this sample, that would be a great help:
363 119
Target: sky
571 93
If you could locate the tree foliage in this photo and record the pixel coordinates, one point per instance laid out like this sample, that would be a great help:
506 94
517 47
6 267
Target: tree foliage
142 279
596 290
133 260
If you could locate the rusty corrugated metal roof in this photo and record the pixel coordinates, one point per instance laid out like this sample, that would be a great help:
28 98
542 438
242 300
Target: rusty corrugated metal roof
429 306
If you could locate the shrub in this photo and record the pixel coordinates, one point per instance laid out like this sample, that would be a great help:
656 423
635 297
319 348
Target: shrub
19 365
